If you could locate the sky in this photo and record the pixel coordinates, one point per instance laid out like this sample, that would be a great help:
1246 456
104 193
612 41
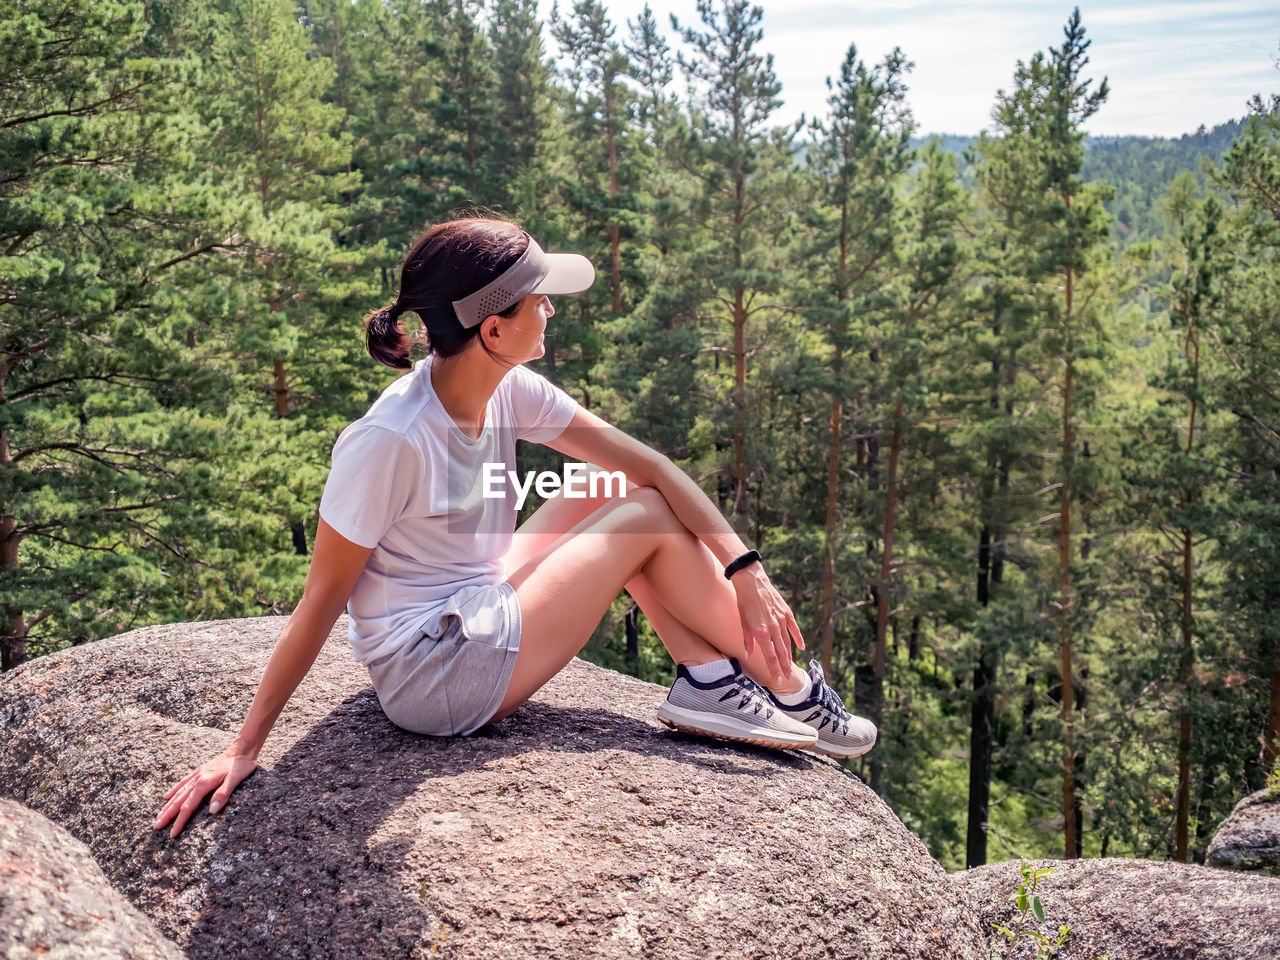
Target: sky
1171 65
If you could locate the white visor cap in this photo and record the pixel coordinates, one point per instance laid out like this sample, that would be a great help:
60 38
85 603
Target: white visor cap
535 272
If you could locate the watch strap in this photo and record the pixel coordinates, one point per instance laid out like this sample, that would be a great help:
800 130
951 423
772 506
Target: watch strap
748 558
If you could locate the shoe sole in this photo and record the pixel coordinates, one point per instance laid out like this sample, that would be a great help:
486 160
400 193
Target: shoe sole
827 752
691 721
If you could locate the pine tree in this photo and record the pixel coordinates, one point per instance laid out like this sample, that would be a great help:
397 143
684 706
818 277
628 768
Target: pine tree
650 59
638 366
1171 478
104 426
861 151
605 170
741 163
1196 297
915 340
1250 345
647 379
994 415
442 114
373 72
1059 230
521 106
278 143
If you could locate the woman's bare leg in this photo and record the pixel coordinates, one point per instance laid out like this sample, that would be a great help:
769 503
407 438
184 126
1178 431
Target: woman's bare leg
565 589
559 514
685 646
554 519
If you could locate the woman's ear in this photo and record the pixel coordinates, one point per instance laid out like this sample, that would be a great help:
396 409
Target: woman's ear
489 328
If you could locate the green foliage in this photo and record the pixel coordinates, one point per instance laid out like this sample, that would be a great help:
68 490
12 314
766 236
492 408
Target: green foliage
1141 170
101 437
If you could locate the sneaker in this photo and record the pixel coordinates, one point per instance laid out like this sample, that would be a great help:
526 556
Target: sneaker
840 733
731 708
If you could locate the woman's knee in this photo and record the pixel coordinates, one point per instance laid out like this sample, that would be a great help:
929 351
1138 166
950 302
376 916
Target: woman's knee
656 512
650 498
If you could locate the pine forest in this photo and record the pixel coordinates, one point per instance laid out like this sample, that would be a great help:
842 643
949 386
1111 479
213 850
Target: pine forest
1001 413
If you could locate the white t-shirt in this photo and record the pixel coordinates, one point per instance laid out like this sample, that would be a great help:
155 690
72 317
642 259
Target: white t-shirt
408 483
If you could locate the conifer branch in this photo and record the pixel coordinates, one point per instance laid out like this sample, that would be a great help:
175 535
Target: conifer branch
89 108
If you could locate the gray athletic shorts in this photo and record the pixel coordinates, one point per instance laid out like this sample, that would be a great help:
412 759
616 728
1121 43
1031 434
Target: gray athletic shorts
451 678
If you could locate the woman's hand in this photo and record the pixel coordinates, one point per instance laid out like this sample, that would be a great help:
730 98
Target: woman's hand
222 774
767 621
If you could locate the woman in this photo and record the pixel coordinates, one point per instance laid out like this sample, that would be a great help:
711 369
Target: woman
457 620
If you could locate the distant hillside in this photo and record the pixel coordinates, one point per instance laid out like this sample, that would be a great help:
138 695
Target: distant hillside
1140 169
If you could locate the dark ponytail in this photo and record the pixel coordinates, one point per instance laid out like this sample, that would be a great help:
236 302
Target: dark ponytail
385 337
450 261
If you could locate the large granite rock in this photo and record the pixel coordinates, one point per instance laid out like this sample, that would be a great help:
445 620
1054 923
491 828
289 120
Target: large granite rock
579 827
1249 839
55 904
1136 909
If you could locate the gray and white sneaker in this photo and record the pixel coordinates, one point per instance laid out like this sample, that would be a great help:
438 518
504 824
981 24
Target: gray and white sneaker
840 733
732 708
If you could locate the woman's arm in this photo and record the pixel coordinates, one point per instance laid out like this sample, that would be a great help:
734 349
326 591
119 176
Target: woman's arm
593 440
766 617
336 565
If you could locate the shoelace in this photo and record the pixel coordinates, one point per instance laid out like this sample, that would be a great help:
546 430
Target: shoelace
750 692
832 702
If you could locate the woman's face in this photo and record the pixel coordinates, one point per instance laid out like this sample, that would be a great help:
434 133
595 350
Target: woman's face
521 334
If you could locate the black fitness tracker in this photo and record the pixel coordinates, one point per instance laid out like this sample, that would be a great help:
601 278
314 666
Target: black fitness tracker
748 558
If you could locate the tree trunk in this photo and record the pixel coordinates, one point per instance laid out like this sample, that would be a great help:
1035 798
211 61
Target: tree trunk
1181 846
1191 347
724 484
13 652
467 83
981 717
632 623
982 721
1271 737
299 534
757 541
886 555
739 404
280 388
739 336
615 233
297 531
826 627
615 267
13 648
1079 692
981 753
883 591
1069 807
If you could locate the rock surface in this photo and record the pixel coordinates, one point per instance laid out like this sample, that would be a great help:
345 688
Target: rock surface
1249 839
56 904
579 827
1136 909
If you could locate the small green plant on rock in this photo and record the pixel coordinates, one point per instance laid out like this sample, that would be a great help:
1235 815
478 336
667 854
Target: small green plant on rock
1273 783
1028 901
